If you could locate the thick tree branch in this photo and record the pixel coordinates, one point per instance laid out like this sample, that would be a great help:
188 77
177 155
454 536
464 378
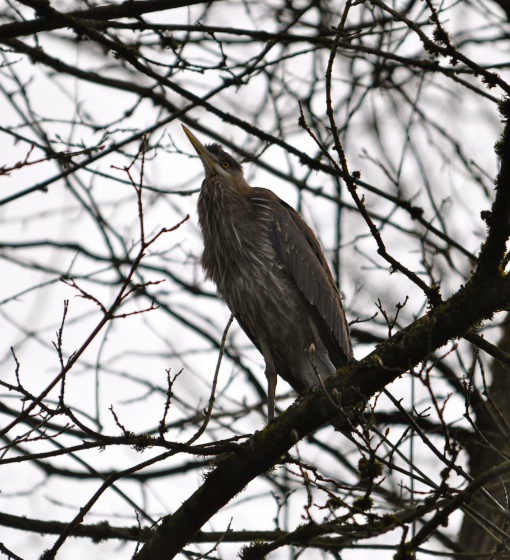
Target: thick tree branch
97 13
354 384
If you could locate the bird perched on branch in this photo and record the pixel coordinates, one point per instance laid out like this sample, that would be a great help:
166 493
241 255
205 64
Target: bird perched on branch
270 269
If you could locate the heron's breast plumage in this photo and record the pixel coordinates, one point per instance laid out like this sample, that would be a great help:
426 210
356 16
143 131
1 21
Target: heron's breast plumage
239 257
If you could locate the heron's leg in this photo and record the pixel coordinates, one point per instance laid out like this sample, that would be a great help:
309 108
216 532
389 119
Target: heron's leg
271 381
271 392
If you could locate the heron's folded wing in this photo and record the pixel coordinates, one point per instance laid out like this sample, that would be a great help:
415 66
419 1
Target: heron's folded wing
302 256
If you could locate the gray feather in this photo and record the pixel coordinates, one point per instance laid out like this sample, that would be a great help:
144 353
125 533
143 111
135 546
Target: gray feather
305 263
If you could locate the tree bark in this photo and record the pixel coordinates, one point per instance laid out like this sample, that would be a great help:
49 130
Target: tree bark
493 420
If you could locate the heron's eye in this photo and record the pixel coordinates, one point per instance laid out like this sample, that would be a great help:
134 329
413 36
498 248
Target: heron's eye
226 165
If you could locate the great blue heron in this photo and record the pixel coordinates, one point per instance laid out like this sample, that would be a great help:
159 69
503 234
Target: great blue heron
270 269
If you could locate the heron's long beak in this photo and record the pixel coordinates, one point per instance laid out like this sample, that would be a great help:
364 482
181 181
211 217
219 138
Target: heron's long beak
208 161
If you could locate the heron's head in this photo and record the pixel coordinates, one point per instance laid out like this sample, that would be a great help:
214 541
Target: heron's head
216 161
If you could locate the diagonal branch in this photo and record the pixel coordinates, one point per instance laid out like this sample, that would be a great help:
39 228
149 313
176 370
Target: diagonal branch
354 384
98 13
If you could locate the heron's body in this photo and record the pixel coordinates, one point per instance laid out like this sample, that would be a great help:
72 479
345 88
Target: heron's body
268 266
